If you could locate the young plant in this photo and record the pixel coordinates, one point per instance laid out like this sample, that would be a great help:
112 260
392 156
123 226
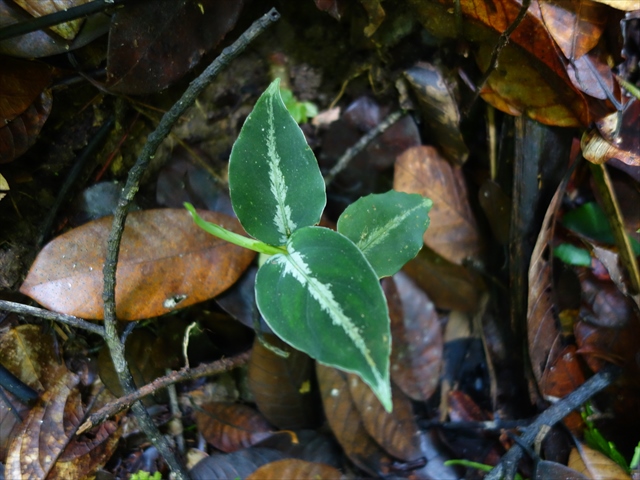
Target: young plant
320 289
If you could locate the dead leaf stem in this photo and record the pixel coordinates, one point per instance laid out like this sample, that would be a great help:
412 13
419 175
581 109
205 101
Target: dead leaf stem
154 140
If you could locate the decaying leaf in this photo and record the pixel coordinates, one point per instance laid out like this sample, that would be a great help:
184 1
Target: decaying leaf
230 426
46 446
238 464
346 424
166 262
596 464
453 233
294 468
67 30
282 387
417 344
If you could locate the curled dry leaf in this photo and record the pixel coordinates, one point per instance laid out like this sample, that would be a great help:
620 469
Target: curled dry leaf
396 432
346 423
544 335
231 426
46 446
417 344
294 468
453 232
598 465
166 262
282 387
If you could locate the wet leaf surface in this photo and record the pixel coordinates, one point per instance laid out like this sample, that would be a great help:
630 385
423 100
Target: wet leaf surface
239 464
166 262
293 468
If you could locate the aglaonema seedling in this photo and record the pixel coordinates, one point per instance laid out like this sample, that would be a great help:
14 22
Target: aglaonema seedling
320 289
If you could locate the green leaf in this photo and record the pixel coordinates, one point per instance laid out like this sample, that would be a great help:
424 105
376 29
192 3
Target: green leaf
324 298
572 255
274 179
387 228
591 221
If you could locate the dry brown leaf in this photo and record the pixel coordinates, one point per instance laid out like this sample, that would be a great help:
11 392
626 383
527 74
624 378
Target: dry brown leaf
46 445
294 468
599 466
544 334
282 387
417 344
346 423
166 262
575 25
448 285
453 232
231 426
397 432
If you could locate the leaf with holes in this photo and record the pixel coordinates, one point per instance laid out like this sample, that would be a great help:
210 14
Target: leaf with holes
387 228
334 310
274 179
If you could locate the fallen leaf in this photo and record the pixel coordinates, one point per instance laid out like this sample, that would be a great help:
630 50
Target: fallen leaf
453 232
166 262
626 5
152 45
282 387
599 466
346 424
416 336
230 426
67 30
238 464
396 432
294 468
46 446
575 25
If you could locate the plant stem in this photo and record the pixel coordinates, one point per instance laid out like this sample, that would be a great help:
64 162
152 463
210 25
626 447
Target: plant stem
231 237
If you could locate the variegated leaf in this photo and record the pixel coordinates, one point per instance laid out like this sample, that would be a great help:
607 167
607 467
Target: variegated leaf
324 298
274 179
387 228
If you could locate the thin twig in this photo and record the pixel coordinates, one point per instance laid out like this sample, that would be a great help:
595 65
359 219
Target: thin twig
116 348
48 315
360 145
552 415
204 370
500 44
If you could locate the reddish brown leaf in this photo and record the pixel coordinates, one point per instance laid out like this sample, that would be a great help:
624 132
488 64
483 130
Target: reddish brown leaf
282 387
346 423
153 44
166 262
293 468
416 353
21 83
544 333
453 232
17 136
45 446
603 303
575 25
450 286
396 432
231 426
